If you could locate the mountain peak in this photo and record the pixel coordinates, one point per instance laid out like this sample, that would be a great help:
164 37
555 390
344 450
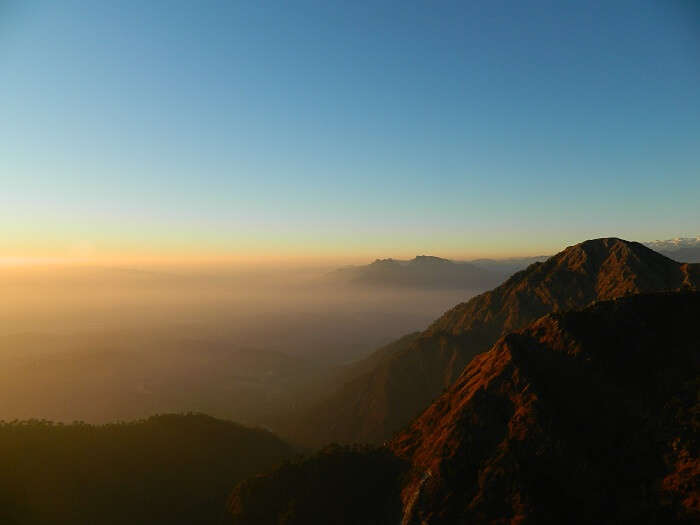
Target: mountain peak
385 262
423 271
597 269
403 382
429 259
596 251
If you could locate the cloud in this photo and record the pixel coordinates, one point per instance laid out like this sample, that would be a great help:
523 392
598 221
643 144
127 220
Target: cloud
678 243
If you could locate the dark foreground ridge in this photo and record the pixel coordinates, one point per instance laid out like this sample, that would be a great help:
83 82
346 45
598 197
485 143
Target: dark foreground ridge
373 406
582 417
340 485
175 469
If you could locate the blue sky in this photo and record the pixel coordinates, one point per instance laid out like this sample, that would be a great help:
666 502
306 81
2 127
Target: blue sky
346 129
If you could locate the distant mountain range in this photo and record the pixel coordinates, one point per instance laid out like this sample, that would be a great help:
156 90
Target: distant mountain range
427 271
585 416
423 271
395 385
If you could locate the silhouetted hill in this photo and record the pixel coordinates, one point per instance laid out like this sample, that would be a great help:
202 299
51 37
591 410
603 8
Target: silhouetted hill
371 407
423 271
339 485
586 416
583 417
166 469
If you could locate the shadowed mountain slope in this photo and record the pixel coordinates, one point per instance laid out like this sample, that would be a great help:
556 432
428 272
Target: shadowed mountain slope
586 416
373 406
340 485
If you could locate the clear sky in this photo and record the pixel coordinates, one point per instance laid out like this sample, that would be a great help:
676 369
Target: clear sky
345 129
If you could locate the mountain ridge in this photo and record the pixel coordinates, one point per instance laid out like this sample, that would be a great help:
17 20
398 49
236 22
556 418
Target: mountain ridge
580 410
583 416
423 271
402 383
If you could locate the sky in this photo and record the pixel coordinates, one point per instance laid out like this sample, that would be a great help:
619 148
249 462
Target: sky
345 130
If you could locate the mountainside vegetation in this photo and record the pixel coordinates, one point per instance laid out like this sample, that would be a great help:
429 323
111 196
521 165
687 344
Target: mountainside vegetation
165 469
342 485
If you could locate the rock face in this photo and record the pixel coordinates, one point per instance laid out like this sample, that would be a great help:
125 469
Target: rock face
401 383
588 416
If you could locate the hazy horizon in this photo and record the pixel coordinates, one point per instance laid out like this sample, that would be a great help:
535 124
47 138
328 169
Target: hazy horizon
249 344
242 264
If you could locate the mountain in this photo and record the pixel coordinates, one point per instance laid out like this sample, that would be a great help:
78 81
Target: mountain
586 416
423 271
373 406
340 485
165 469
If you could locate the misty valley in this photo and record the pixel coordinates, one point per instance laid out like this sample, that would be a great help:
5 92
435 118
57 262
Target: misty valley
101 344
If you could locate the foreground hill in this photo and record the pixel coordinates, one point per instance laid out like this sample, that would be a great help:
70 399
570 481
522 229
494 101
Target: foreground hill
583 417
423 271
340 485
371 407
166 469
